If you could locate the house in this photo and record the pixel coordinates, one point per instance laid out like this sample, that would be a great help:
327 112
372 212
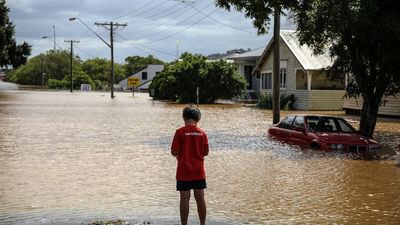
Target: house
246 62
301 74
145 76
390 106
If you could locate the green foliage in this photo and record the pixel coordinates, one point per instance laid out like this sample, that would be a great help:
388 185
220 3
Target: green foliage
79 77
10 52
364 40
58 84
100 71
179 81
286 102
259 11
135 63
55 64
164 85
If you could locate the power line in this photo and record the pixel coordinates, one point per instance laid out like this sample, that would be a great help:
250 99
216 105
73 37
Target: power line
133 11
180 31
227 25
84 51
111 26
166 29
136 45
150 17
167 21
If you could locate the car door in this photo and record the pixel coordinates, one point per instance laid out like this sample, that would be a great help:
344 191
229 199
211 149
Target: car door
284 129
298 134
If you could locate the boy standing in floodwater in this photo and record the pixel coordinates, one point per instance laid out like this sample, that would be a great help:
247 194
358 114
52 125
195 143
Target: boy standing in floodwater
190 146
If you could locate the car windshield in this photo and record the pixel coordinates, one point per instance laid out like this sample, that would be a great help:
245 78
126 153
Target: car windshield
328 124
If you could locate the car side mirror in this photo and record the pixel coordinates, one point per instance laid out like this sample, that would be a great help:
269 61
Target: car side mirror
299 129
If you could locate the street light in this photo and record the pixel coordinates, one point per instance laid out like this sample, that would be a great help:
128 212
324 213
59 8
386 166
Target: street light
87 26
111 45
54 41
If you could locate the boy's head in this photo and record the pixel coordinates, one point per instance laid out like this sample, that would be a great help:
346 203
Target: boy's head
191 113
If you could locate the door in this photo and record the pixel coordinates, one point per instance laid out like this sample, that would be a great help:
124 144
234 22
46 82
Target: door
248 70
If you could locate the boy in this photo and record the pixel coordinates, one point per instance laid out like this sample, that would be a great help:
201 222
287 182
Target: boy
190 146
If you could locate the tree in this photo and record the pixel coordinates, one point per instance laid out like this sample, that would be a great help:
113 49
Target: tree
364 41
55 64
135 63
216 80
10 53
260 12
99 70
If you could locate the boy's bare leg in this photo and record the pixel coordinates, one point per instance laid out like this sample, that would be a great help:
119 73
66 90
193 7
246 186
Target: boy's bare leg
201 205
184 206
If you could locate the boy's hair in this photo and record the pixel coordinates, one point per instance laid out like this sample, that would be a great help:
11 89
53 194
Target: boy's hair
192 112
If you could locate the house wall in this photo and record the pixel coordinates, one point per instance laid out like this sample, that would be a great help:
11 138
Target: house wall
151 73
320 81
255 81
292 65
390 106
325 99
315 99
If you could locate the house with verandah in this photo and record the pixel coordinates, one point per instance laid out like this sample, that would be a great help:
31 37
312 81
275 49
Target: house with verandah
301 74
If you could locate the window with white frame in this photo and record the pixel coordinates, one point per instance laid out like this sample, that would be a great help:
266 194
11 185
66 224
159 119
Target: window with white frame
266 81
282 78
282 73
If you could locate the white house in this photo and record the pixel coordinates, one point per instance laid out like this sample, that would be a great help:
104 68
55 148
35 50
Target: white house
301 74
145 76
246 63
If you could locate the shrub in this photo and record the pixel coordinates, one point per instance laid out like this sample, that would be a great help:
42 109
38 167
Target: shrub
286 102
179 81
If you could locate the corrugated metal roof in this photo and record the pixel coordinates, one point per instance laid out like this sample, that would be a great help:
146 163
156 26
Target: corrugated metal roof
250 54
304 54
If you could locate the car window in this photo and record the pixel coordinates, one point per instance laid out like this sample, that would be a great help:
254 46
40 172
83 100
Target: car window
322 124
287 123
298 122
345 127
327 125
312 122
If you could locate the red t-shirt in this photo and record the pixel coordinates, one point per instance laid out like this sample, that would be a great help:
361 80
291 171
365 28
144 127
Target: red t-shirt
191 145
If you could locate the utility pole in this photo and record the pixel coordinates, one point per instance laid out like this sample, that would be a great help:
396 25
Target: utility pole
43 73
54 33
71 60
111 26
276 67
177 50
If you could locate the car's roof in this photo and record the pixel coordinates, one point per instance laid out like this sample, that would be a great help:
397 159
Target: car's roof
314 115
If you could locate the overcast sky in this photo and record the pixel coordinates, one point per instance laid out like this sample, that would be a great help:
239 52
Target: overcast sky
153 27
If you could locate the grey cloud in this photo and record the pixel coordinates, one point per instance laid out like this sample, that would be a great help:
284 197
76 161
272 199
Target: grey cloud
157 20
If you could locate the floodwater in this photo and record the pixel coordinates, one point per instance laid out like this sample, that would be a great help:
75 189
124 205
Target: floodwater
72 158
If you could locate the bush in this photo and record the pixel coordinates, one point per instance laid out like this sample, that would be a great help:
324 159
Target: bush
57 84
79 78
286 102
179 81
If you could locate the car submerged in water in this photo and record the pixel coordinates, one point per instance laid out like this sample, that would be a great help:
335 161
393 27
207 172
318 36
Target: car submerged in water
327 133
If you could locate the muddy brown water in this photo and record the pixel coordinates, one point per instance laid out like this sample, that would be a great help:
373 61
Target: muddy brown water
72 158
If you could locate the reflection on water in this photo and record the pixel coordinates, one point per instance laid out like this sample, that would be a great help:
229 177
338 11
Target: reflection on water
71 158
7 86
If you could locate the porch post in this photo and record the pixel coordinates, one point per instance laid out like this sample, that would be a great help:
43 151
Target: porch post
309 79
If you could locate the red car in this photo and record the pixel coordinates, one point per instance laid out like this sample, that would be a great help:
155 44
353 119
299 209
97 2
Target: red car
326 133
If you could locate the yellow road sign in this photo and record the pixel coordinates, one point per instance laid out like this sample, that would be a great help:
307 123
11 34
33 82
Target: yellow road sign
133 81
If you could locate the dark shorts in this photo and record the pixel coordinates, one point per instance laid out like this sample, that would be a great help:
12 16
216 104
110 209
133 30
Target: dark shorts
188 185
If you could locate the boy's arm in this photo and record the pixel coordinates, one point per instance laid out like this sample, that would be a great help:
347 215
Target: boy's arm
205 146
175 147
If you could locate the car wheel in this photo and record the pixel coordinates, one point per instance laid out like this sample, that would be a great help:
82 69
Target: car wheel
315 146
